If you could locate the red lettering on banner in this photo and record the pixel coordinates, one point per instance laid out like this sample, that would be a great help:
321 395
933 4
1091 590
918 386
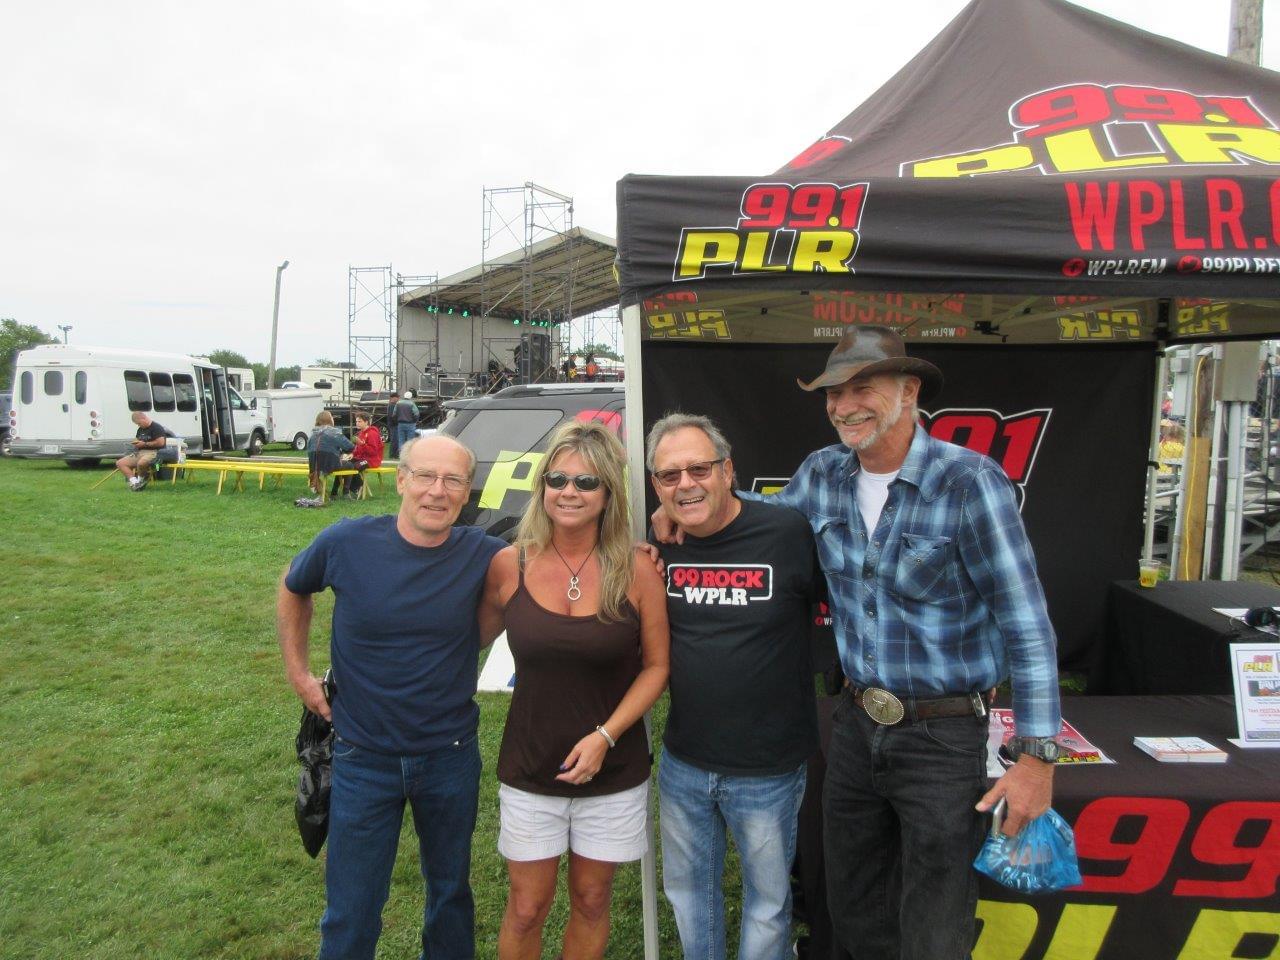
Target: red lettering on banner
1226 204
1143 216
1010 441
1147 858
1092 215
1215 843
1178 212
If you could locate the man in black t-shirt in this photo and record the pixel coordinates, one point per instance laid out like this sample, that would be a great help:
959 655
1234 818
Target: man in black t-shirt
742 722
149 440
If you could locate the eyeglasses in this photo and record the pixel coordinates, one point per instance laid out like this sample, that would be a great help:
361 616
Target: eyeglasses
696 471
426 479
585 482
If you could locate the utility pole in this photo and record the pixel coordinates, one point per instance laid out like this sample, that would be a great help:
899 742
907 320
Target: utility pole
1245 43
65 328
275 326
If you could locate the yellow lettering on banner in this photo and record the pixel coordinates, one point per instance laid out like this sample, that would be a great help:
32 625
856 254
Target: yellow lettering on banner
1074 328
1012 157
703 248
771 488
1217 144
756 249
1217 933
503 479
660 323
1080 932
1078 150
711 323
819 251
1007 929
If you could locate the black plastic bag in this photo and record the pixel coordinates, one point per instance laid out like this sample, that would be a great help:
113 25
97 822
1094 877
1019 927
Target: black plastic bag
315 753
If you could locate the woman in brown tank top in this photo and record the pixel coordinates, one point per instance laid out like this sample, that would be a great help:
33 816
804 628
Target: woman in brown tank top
587 627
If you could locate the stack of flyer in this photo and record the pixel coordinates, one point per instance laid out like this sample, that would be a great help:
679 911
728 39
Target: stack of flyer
1180 749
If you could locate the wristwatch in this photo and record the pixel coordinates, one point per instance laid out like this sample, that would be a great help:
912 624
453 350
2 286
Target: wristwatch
1042 748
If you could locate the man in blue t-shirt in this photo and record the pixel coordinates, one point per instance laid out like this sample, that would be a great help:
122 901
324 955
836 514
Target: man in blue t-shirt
404 650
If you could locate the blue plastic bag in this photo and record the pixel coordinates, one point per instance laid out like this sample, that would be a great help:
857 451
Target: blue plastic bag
1040 859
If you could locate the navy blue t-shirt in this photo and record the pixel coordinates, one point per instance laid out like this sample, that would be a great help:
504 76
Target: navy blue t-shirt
405 642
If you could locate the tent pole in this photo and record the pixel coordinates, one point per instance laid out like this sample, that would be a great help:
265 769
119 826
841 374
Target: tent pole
633 392
1215 463
1149 540
1234 498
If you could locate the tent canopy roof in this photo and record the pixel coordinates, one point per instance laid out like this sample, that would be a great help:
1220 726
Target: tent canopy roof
1035 159
572 273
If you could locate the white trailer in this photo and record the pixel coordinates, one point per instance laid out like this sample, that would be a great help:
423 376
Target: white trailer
290 414
240 379
74 403
343 384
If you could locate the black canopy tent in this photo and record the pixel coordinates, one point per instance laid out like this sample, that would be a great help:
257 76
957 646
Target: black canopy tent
1039 200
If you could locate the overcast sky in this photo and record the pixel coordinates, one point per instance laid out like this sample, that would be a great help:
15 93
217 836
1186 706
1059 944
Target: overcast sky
160 159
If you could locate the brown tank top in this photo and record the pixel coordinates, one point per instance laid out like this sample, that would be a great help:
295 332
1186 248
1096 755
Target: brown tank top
571 673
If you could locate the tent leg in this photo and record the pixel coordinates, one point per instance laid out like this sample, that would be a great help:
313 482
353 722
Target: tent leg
632 336
1149 538
1233 498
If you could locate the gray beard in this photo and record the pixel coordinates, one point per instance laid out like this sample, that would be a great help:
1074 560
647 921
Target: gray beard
883 426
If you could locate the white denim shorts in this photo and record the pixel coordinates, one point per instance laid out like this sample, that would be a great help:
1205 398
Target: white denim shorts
609 828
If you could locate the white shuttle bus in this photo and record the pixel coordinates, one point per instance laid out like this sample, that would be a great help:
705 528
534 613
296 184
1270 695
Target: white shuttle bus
74 403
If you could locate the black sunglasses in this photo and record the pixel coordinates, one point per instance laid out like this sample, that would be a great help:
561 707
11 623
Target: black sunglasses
696 471
586 482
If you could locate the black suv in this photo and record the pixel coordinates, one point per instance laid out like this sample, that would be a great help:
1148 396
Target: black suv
508 431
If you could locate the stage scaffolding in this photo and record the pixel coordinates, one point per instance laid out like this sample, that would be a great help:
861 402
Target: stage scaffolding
373 294
539 295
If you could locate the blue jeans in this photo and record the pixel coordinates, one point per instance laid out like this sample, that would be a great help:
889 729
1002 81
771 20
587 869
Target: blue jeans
900 834
404 433
696 806
366 809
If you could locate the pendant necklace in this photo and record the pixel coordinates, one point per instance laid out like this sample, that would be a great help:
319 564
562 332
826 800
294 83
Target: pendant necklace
573 593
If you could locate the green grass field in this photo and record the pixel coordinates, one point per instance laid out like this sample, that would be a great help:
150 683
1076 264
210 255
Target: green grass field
148 800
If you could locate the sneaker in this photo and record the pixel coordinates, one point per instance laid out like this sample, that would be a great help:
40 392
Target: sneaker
141 485
134 482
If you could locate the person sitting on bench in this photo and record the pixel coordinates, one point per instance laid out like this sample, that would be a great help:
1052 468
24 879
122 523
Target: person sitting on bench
150 439
368 453
325 449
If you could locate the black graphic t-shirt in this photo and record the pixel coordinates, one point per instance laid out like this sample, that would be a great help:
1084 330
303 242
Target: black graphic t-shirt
742 689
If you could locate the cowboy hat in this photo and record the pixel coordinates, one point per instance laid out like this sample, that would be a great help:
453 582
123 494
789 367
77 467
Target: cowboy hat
866 351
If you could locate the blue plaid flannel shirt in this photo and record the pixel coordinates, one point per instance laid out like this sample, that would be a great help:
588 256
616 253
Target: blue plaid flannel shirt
942 598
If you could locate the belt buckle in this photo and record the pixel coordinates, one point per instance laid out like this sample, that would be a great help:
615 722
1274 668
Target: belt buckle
882 706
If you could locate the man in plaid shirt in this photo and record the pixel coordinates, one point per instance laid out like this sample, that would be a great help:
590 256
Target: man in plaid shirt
935 601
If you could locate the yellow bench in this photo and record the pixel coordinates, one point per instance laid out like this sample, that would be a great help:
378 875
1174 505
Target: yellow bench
277 471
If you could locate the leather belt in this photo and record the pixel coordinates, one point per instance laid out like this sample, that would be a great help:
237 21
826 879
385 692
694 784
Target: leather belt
885 708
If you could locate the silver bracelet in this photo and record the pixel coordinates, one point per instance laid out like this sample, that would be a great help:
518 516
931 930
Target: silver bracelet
607 739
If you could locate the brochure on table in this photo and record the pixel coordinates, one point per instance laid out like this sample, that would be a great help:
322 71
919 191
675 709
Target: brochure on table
1076 750
1255 671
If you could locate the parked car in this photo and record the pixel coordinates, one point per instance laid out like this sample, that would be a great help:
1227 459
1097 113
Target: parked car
508 432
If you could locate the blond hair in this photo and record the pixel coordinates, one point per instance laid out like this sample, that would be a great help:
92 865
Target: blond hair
324 419
604 454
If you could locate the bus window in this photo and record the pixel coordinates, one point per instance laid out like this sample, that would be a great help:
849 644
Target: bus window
162 391
137 389
53 383
82 386
28 387
184 387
